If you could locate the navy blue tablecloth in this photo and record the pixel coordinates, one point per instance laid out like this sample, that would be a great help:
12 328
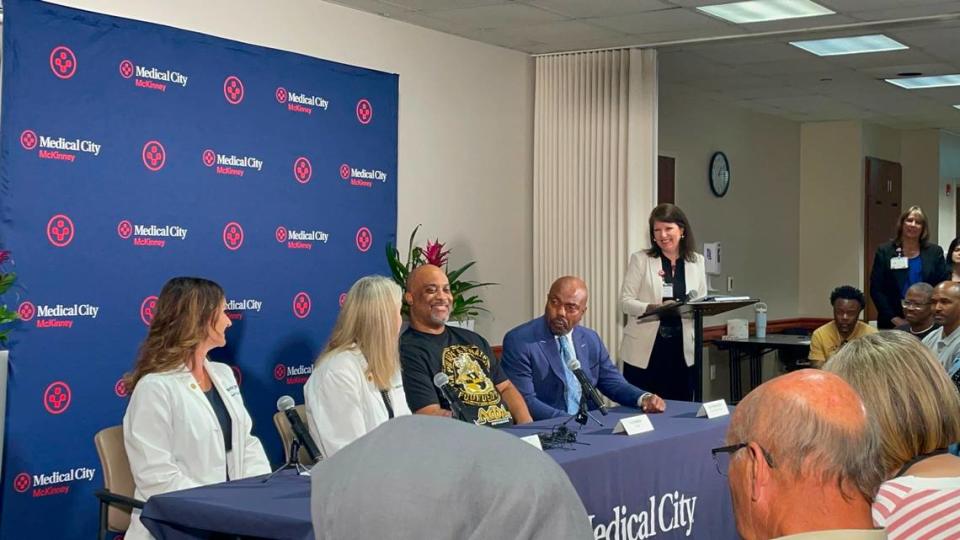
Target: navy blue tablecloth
661 484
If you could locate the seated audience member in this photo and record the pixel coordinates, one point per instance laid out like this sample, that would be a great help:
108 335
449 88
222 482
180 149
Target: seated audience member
918 310
803 460
945 341
847 304
953 259
430 478
356 385
485 394
186 425
536 356
917 410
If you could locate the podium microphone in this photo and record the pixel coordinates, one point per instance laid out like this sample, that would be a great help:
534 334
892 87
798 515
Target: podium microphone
586 385
442 381
286 405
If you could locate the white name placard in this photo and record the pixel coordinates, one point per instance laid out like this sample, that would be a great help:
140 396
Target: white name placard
713 409
532 440
634 425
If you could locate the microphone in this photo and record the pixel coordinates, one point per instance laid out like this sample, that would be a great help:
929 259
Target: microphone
442 381
586 385
286 405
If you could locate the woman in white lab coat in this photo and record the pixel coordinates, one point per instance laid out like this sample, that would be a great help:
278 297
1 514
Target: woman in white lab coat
356 384
186 425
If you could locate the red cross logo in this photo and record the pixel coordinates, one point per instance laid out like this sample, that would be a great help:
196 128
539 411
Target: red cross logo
364 239
126 69
281 94
120 389
301 305
344 171
233 90
209 157
281 234
147 309
22 482
154 155
364 111
343 298
63 62
233 236
279 372
28 139
124 229
302 170
60 230
56 398
26 311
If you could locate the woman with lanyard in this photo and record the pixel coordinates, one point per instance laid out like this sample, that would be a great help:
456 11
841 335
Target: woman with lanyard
917 411
658 354
355 385
907 259
186 424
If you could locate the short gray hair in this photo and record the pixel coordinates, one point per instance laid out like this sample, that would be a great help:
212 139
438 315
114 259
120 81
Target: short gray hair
806 441
923 288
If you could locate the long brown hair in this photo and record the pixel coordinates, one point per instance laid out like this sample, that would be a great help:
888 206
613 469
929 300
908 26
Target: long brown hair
186 308
668 213
924 234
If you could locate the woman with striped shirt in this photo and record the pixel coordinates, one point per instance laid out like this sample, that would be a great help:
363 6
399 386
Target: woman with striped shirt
917 408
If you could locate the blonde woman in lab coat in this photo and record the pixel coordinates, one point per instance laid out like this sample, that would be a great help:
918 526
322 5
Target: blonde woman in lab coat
186 425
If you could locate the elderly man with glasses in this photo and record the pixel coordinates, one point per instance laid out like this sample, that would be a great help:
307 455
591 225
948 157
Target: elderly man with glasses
918 310
802 458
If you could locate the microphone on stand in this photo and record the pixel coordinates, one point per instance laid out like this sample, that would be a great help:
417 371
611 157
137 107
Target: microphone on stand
442 381
287 406
587 386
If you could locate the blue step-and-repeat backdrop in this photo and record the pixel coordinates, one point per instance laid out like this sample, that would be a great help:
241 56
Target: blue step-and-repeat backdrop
132 153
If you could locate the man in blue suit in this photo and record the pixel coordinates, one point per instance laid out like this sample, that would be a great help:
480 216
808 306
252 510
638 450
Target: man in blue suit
536 356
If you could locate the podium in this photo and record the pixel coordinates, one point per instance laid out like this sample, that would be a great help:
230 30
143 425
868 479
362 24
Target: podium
697 309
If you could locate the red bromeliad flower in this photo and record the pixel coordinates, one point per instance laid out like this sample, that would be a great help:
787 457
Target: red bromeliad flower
4 256
434 253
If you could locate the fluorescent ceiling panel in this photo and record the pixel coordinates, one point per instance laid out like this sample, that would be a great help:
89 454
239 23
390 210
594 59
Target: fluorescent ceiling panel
754 11
849 45
935 81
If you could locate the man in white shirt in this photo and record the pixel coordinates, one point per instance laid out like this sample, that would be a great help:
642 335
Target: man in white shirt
945 341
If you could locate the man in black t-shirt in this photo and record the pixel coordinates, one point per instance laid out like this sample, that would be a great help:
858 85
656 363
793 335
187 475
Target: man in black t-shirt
429 347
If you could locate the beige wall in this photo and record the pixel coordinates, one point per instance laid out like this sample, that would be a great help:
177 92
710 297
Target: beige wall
831 212
465 133
919 157
949 174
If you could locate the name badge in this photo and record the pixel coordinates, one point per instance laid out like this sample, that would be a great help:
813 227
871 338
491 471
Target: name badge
532 440
667 290
634 425
899 263
713 409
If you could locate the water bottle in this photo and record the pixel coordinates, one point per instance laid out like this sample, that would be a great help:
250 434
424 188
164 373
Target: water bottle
761 319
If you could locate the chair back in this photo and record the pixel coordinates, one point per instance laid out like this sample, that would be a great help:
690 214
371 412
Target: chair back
286 434
117 477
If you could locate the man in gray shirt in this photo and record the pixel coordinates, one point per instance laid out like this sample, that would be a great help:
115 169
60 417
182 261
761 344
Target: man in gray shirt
945 341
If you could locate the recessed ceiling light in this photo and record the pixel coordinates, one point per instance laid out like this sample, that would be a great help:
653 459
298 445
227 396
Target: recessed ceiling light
933 81
765 10
956 106
849 45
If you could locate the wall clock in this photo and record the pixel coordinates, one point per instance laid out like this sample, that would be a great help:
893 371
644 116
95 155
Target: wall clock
719 174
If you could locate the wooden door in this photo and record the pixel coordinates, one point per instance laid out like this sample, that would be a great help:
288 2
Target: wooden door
666 188
883 184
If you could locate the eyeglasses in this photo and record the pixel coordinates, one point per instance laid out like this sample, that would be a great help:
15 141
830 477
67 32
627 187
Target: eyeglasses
913 305
723 455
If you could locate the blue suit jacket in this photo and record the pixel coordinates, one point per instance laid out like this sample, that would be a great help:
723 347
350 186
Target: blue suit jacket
531 359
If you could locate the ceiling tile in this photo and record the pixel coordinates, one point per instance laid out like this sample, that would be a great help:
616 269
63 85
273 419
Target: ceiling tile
751 52
597 8
498 16
432 5
661 21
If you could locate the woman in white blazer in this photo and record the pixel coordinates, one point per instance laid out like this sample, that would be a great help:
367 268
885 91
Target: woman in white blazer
658 355
186 425
355 385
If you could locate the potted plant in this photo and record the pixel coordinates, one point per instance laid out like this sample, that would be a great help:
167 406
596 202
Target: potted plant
7 317
465 307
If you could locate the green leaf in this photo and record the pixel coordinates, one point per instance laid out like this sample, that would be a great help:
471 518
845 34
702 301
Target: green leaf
6 280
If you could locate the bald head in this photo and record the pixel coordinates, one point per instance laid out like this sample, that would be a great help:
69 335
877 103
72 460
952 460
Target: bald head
429 297
946 306
566 304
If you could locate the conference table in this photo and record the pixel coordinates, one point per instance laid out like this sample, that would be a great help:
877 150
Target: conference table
662 484
755 348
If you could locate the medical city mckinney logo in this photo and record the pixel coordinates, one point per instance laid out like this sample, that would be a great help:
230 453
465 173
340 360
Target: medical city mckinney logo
362 177
292 374
151 77
150 235
63 62
364 111
230 164
238 307
669 512
52 483
300 238
56 315
233 90
300 102
58 148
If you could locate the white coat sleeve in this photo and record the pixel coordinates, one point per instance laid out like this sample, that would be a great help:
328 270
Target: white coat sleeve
334 405
148 439
632 285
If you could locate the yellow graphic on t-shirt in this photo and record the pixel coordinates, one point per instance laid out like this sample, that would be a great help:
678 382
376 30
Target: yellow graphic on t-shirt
467 367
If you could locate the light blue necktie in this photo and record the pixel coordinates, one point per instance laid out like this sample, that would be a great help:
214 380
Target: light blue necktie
573 385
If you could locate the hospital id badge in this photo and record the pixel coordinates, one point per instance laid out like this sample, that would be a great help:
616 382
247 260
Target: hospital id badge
899 263
667 290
